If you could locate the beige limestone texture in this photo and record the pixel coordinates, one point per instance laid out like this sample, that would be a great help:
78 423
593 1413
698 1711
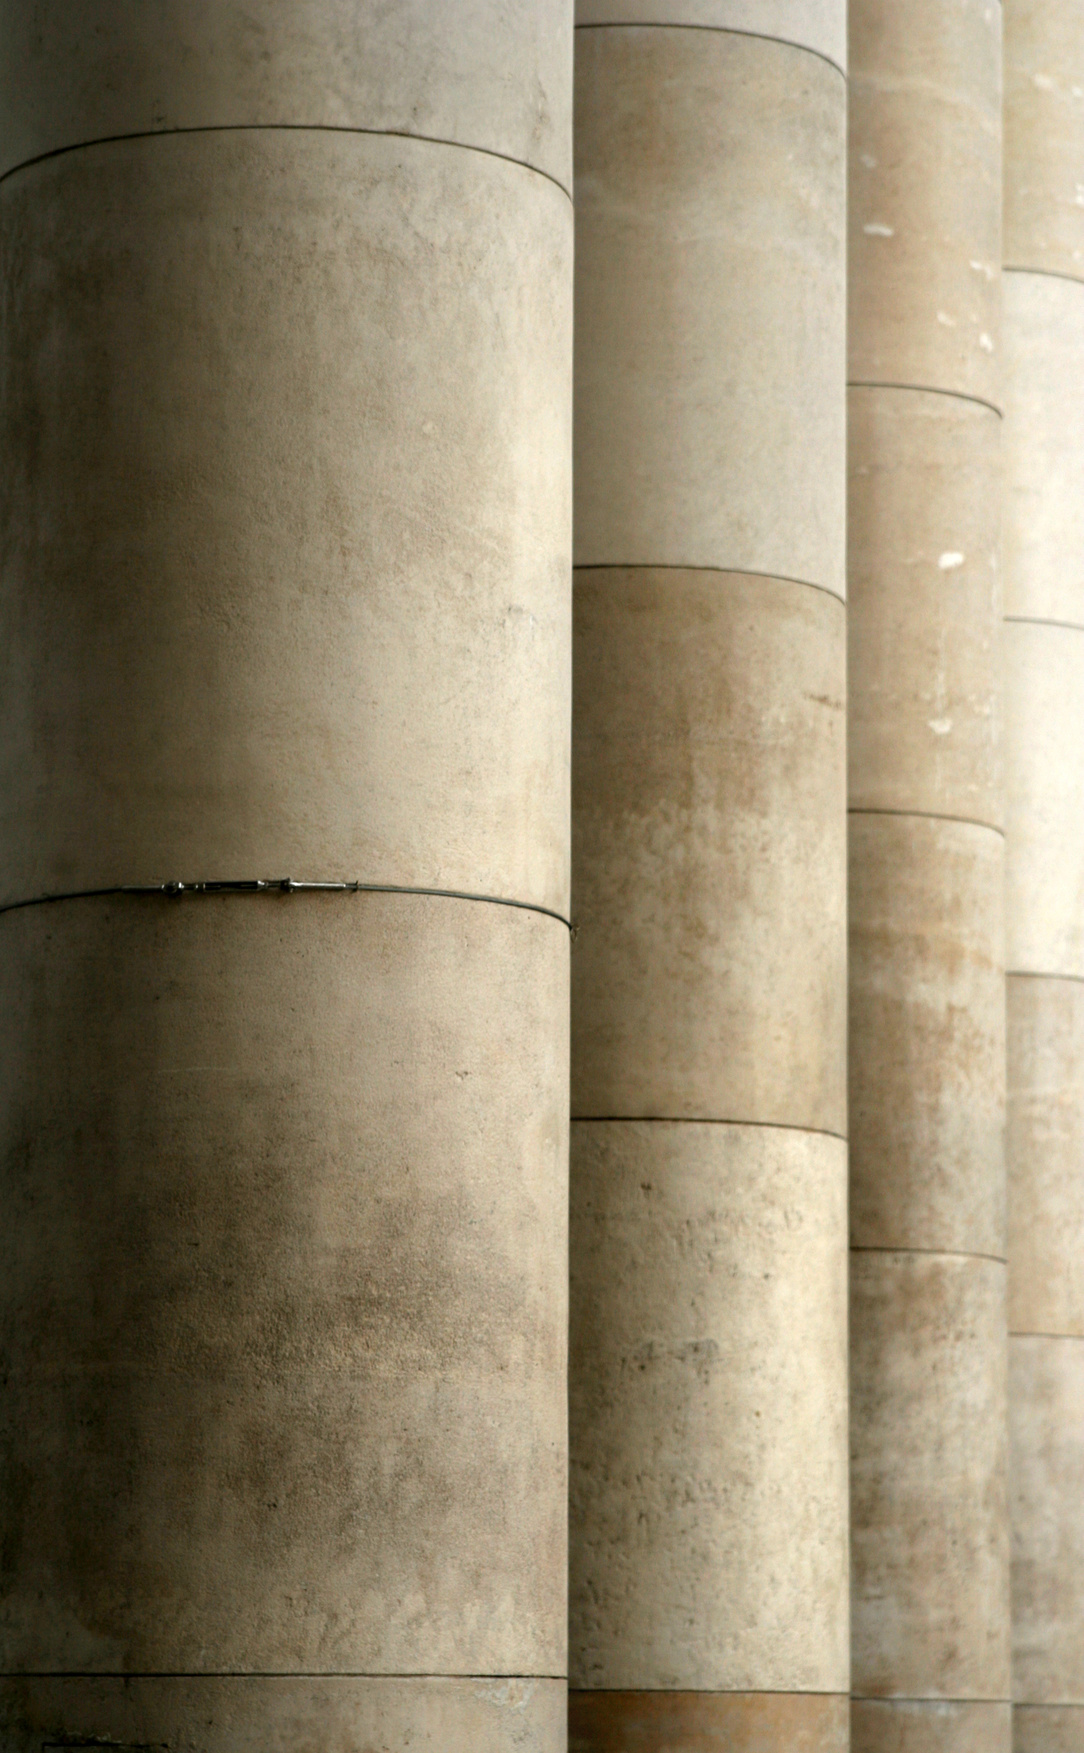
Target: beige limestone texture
709 833
1048 1728
710 304
929 1517
1044 749
287 500
708 1408
1044 135
820 25
282 1714
1045 1152
284 1287
907 1725
924 605
925 194
493 74
705 1722
927 1034
1043 447
1046 1471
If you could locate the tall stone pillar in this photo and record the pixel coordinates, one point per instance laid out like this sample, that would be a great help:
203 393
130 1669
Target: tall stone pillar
285 402
708 1525
929 1516
1044 641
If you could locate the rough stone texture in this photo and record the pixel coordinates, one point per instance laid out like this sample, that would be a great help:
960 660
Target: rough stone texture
924 606
1046 1426
708 1414
494 74
1048 1729
1043 447
927 1035
1044 868
1044 136
709 836
929 1518
1045 1150
280 1714
284 1286
314 469
906 1725
820 25
696 221
925 194
704 1722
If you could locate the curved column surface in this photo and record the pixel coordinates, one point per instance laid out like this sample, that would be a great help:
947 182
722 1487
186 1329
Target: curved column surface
286 407
708 1562
929 1523
1044 635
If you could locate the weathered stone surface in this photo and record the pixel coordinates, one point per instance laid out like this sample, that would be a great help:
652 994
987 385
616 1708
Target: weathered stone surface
927 1035
1044 136
709 837
1045 1151
1044 757
284 1286
1048 1728
924 606
929 1516
1043 447
280 1714
285 587
907 1725
493 74
703 1722
925 194
708 1444
695 221
1046 1460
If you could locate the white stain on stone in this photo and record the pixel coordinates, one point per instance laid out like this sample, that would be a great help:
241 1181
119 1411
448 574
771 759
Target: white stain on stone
943 317
940 726
986 344
877 230
949 562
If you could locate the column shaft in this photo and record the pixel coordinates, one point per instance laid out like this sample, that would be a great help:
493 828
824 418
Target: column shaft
1044 640
707 1369
927 1042
285 401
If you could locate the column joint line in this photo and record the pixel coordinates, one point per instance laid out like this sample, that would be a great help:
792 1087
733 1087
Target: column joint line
1043 620
929 1698
719 30
1043 273
940 1253
1033 1333
1035 974
256 1674
925 816
281 128
719 571
924 389
699 1120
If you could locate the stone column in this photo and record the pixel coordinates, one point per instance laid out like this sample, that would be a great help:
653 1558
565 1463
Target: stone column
1044 640
929 1515
708 1564
284 540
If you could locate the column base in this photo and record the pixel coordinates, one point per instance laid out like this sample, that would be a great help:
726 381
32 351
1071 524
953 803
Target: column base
929 1725
282 1714
1048 1728
707 1722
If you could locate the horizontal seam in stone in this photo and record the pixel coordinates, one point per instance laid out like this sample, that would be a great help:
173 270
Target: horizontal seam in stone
282 128
719 30
1045 273
1027 1333
181 891
925 816
1032 974
924 389
707 1691
1029 1704
1043 621
941 1253
719 571
901 1698
255 1674
696 1120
